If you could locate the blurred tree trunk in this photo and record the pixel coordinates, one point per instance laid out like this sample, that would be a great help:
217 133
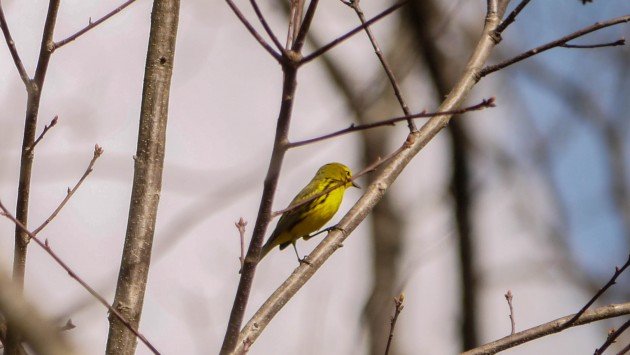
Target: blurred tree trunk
423 19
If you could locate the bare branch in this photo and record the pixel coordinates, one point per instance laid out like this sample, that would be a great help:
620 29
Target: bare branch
13 50
398 307
619 42
41 136
305 26
508 298
375 191
240 226
612 336
97 153
486 103
253 31
44 245
386 67
510 18
351 33
91 25
557 43
265 25
555 326
610 283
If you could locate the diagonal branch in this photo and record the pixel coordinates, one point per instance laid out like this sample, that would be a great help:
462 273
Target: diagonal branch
47 127
619 42
557 43
351 33
265 25
486 103
44 245
510 18
91 25
13 50
97 153
611 338
253 31
555 326
375 191
384 64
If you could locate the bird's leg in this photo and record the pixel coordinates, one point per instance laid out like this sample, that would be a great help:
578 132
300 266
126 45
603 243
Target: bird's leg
300 260
324 231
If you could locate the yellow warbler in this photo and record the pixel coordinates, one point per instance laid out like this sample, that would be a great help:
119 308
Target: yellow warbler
330 182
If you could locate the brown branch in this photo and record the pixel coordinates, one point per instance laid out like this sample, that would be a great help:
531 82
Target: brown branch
398 307
508 298
555 326
13 50
610 283
240 226
41 136
97 153
351 33
253 31
44 245
34 91
390 74
296 9
625 350
557 43
91 25
612 336
290 67
305 26
619 42
375 191
265 25
485 103
147 179
510 18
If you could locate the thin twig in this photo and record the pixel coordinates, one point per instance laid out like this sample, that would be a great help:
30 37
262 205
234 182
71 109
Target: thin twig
265 25
398 307
13 50
296 9
41 136
555 326
390 74
91 25
351 33
97 153
557 43
612 336
619 42
253 31
485 103
44 245
510 18
610 283
508 298
625 350
240 226
305 26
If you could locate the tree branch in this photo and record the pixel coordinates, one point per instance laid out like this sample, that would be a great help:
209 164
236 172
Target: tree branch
91 25
611 338
351 33
486 103
13 50
557 43
510 18
555 326
147 179
388 174
44 245
253 31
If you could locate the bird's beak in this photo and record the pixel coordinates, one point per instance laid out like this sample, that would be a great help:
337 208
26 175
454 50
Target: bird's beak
355 185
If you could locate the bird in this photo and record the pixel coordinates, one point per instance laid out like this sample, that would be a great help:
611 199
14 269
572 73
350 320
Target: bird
323 194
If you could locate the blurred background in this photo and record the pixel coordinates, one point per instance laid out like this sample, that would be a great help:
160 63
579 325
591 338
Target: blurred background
531 196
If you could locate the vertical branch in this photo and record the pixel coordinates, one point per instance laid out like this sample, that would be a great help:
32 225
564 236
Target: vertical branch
147 182
34 90
264 212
